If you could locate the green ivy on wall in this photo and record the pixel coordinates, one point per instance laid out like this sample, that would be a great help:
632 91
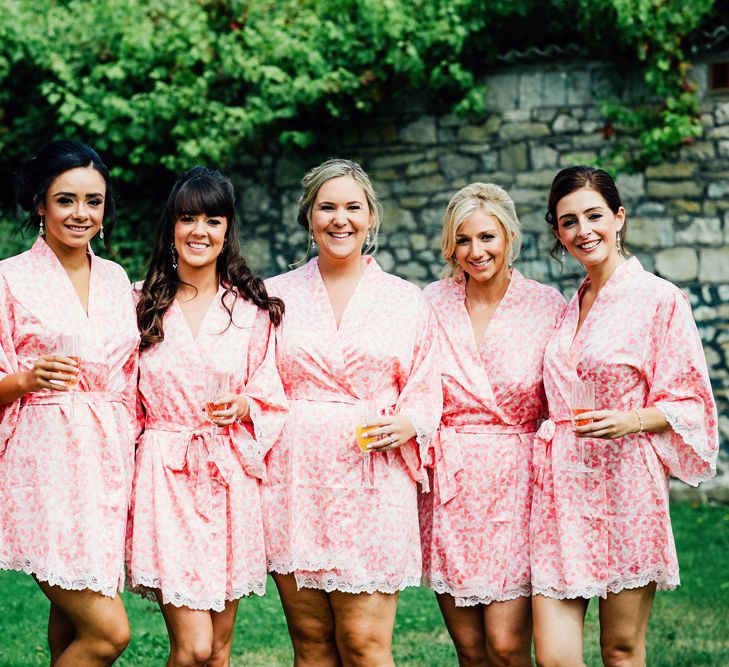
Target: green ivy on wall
157 85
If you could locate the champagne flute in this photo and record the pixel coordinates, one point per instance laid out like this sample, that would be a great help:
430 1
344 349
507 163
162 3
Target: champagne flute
67 345
217 385
582 399
366 415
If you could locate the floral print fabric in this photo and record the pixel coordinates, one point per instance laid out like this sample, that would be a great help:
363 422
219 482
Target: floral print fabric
336 517
608 529
196 530
475 528
65 475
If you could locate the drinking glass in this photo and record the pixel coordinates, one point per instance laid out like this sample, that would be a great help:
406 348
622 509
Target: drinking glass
67 345
366 414
582 399
217 385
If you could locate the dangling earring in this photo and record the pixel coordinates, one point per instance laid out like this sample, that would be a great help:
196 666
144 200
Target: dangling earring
41 228
563 259
618 243
312 240
101 232
173 252
368 239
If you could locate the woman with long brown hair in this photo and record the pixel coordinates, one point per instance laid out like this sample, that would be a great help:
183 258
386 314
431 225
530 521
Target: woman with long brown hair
212 404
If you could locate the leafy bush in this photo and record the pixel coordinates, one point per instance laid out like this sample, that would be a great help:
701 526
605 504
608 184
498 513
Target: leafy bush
158 85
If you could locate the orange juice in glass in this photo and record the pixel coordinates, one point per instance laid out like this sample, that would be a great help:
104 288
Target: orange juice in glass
217 385
582 399
366 419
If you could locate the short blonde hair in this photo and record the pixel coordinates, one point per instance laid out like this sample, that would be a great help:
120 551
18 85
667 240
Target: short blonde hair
335 168
490 199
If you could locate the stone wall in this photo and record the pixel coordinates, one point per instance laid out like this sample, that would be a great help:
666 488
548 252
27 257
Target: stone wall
540 120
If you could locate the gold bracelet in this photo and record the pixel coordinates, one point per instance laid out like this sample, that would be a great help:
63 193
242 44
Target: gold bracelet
640 420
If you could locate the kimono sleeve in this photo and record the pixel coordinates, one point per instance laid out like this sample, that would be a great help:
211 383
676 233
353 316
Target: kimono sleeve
8 365
421 394
266 400
680 388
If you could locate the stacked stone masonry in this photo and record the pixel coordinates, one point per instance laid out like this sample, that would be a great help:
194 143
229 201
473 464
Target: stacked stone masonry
539 121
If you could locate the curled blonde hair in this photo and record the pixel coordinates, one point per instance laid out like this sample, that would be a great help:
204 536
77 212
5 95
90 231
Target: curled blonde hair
335 168
485 197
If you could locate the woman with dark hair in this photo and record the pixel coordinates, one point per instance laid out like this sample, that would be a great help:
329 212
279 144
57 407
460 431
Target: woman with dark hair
212 404
68 343
628 359
356 353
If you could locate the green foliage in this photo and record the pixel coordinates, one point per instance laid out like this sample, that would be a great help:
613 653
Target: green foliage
158 85
687 626
656 31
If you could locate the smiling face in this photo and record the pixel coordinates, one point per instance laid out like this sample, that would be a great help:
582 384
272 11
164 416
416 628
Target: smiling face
587 227
481 248
73 209
340 218
198 239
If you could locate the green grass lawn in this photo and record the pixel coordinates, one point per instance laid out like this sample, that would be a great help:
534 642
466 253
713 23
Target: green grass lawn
689 627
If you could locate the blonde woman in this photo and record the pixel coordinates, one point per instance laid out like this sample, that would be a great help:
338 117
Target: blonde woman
493 326
341 523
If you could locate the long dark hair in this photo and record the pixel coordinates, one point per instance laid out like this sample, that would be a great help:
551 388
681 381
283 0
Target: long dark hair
198 190
575 178
35 176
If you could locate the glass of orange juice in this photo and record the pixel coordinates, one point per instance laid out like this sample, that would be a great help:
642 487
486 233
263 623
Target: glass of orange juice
582 399
366 417
217 386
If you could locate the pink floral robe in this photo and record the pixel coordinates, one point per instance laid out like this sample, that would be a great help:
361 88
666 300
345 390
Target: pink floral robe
65 481
337 517
196 530
609 529
475 524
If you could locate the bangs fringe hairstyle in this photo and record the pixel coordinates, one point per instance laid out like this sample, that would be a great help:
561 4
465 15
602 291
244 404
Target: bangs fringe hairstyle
198 190
489 199
326 171
35 176
575 178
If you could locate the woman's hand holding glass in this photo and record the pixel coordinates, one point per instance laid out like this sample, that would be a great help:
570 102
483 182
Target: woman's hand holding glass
391 432
608 424
228 408
56 372
222 406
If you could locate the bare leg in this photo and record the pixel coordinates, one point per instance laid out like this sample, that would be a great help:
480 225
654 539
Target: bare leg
101 629
558 626
364 623
190 632
223 626
310 619
467 630
60 632
623 626
509 632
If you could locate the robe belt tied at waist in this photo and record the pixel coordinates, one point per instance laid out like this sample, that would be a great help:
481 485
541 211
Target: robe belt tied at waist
204 446
385 400
79 397
384 403
447 451
543 445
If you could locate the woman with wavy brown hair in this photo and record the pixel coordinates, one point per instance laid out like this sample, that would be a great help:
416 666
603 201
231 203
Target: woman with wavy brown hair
212 405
